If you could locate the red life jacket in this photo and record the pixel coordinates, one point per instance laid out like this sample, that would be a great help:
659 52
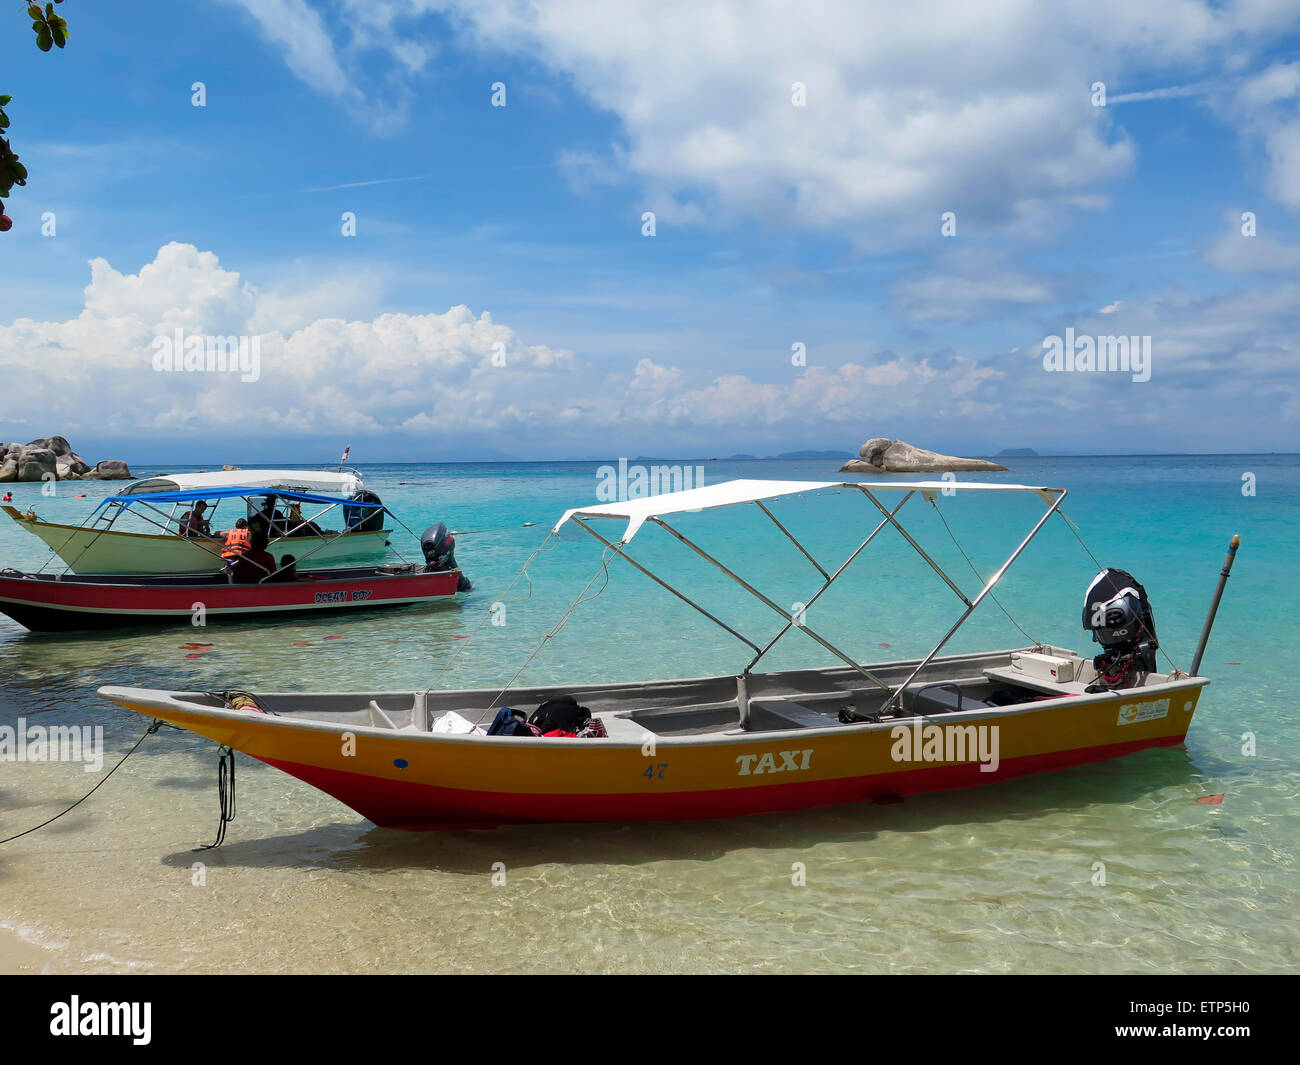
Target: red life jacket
237 542
193 524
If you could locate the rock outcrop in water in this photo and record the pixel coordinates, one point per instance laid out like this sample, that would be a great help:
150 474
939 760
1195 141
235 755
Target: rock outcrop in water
882 455
52 458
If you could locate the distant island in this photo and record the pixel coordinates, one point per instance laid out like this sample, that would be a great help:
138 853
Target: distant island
792 455
1017 453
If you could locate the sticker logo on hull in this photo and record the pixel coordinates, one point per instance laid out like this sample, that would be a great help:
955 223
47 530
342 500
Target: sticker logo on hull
753 764
1131 713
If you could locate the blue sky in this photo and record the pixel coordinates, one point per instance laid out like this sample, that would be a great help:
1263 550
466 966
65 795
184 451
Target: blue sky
776 224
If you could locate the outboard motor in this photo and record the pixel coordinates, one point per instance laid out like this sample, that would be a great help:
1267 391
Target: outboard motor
364 519
1118 614
439 547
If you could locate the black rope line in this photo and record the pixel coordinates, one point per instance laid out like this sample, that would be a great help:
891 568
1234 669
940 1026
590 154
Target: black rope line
225 795
147 732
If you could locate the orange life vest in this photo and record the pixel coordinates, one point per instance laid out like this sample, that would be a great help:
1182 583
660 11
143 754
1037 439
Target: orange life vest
237 542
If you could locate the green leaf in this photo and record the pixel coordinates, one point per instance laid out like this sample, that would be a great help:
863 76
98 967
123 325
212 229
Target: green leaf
4 99
34 10
43 39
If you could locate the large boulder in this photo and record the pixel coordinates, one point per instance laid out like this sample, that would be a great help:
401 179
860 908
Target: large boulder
68 465
53 456
883 455
110 470
38 464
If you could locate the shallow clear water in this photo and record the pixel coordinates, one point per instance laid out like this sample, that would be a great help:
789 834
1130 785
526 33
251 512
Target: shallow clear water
997 879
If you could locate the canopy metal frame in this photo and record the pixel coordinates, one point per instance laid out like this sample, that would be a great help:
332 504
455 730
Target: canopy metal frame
114 507
1053 496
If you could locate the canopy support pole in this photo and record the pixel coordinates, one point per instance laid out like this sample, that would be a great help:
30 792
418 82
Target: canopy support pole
789 536
917 547
988 587
764 599
618 549
829 581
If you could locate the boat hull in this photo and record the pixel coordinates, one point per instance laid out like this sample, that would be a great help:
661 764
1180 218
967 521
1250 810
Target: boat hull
427 807
96 551
411 779
45 604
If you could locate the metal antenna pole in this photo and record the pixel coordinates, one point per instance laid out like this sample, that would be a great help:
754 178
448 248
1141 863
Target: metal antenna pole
1214 606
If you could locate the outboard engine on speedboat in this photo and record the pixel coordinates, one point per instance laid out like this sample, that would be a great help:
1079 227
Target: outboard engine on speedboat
439 547
1118 614
364 519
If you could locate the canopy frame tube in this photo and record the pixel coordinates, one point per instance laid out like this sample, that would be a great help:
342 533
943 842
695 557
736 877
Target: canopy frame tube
1053 497
803 627
117 507
790 536
917 547
618 549
829 581
988 587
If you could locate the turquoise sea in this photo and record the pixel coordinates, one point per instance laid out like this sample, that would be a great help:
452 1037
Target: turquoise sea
998 879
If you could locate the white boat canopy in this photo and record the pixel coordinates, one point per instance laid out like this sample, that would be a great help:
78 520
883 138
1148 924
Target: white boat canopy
636 512
324 481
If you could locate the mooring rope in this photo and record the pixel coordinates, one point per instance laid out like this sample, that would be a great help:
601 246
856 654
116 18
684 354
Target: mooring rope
564 620
225 795
504 598
147 732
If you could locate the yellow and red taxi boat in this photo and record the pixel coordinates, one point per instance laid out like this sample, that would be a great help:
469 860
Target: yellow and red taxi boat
728 745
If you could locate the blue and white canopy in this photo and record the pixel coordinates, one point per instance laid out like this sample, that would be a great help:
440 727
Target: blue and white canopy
193 495
326 481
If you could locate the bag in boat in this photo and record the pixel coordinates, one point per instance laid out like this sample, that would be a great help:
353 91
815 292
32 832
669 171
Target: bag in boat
560 715
509 722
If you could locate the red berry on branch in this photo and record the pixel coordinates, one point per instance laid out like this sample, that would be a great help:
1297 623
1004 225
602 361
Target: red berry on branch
6 223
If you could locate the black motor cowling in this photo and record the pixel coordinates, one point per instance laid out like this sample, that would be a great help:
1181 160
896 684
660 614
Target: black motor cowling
439 547
1118 614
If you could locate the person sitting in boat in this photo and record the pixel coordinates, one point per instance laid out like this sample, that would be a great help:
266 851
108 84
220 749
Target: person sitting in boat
193 523
288 569
238 541
260 523
298 526
255 564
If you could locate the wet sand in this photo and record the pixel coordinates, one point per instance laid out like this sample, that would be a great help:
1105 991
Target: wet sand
19 957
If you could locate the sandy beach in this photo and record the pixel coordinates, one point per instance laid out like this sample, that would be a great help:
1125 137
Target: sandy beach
19 957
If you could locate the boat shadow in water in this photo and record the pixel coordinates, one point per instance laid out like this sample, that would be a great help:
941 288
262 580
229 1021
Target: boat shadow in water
357 847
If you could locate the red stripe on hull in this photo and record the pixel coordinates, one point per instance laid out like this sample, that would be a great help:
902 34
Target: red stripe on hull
424 807
215 596
70 604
